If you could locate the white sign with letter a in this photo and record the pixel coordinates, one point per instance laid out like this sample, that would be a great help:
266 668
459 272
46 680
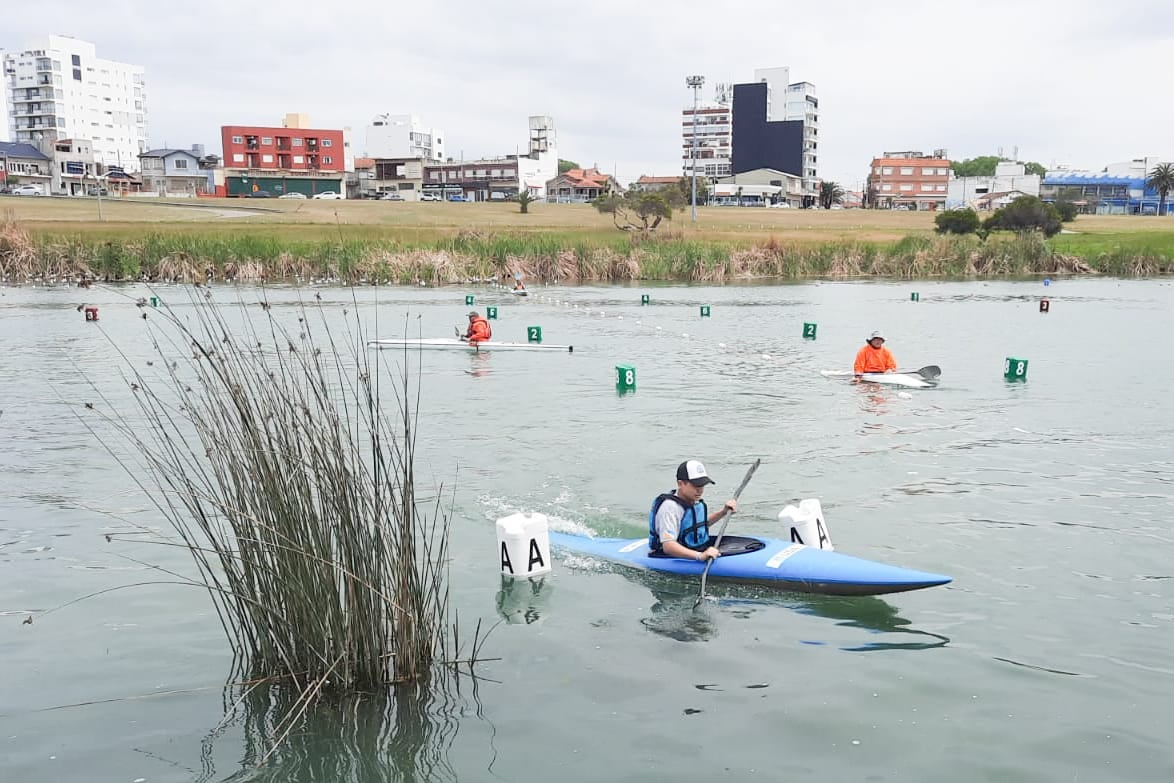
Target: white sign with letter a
523 545
805 524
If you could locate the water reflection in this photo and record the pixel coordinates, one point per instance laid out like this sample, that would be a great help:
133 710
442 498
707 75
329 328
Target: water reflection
872 614
523 601
403 735
673 616
479 364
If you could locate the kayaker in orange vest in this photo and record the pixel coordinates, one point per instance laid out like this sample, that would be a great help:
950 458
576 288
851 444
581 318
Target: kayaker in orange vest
874 357
479 330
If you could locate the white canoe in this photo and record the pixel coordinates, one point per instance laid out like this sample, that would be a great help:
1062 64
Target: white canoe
452 343
888 378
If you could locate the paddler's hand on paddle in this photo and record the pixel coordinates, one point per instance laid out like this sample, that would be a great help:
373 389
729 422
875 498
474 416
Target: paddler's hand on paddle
710 553
730 507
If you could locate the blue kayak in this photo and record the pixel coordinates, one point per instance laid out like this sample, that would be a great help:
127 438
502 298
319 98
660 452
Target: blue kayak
765 561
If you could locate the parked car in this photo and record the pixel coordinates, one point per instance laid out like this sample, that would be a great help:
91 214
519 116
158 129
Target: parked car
292 194
391 197
260 194
459 198
327 194
780 205
430 197
27 190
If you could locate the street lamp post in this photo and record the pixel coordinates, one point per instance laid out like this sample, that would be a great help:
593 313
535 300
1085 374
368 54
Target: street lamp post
97 190
695 83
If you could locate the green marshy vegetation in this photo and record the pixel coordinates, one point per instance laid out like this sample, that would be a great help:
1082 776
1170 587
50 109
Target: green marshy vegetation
288 474
349 257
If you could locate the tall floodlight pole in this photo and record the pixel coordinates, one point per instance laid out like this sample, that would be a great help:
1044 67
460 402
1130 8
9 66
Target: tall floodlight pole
695 83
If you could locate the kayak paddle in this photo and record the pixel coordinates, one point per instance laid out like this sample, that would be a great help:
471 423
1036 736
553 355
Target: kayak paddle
722 531
929 372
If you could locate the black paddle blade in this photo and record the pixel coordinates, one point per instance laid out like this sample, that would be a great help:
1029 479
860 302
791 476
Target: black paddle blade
930 372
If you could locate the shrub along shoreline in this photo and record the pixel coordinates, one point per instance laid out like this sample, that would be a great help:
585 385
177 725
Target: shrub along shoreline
549 258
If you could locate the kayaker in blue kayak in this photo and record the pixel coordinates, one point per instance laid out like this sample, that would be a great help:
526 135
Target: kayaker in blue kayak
678 524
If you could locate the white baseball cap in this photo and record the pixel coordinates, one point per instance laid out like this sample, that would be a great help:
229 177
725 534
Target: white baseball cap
693 472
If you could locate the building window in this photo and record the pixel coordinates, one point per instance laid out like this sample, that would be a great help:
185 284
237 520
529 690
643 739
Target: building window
266 158
76 60
327 160
928 172
906 171
238 140
299 159
327 143
906 188
886 170
886 187
297 142
267 140
943 172
927 186
941 188
77 74
238 158
181 163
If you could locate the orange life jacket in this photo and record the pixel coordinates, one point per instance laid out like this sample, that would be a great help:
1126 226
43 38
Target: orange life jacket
479 331
870 359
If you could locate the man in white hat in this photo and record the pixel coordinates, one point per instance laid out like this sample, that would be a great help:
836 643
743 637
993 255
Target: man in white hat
874 356
678 524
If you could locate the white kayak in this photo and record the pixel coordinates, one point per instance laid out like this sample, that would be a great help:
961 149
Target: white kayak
452 343
924 378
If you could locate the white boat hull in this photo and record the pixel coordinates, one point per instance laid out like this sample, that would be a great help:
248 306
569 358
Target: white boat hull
453 344
886 378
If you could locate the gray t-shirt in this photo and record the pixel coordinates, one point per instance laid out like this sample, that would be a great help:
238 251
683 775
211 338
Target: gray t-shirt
668 520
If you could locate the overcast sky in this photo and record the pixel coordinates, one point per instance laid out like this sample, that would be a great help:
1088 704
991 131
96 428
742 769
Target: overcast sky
1078 82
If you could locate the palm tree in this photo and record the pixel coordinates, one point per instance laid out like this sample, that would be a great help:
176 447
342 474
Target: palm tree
525 200
1162 180
830 193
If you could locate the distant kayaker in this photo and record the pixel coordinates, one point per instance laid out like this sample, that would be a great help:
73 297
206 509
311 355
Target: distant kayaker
518 286
478 331
678 524
874 356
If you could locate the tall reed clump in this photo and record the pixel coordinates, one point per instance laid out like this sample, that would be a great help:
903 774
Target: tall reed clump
269 453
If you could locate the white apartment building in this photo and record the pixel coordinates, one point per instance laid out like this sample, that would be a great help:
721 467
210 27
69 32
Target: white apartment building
403 136
795 102
61 89
540 164
712 128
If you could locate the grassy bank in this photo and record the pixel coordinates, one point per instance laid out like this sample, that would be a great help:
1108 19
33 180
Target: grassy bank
448 243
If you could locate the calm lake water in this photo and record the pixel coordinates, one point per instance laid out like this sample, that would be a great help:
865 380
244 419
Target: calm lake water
1048 501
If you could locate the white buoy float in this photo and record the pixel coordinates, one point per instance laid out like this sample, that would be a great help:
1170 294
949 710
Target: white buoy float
805 524
523 545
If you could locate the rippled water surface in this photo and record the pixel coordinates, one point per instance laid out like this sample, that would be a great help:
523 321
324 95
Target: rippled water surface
1048 501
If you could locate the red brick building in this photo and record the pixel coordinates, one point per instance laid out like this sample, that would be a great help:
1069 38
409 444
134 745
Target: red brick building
908 180
282 160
